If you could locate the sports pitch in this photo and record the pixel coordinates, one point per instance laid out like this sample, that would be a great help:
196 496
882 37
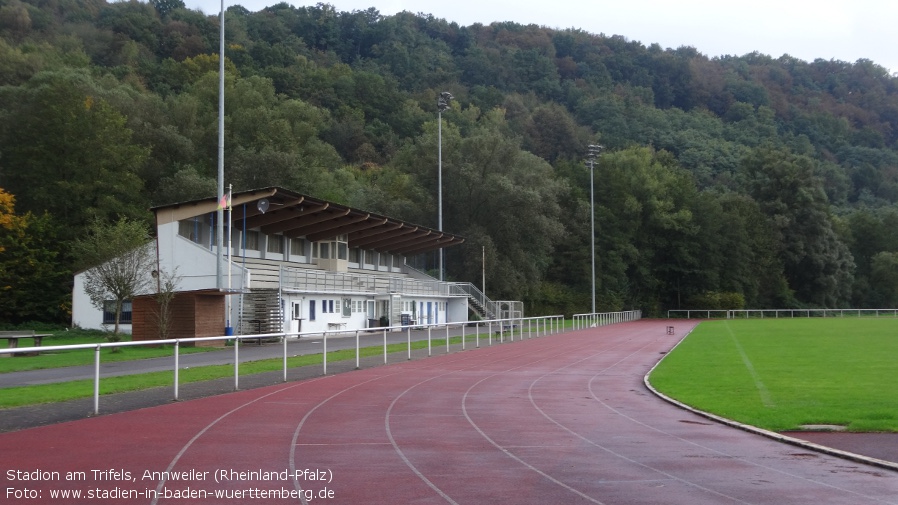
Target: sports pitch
781 374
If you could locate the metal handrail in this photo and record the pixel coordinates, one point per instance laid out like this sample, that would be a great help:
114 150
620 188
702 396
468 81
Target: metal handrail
545 325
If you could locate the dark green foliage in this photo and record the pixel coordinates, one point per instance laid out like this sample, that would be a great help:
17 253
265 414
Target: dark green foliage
775 179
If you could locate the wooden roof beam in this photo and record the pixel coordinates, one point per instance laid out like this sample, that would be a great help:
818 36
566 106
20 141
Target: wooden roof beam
327 229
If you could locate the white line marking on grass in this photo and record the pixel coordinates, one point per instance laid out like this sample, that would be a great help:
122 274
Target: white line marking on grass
763 392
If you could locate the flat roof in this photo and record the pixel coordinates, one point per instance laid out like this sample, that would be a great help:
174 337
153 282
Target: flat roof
296 215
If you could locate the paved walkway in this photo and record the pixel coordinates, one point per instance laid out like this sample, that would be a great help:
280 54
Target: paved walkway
560 419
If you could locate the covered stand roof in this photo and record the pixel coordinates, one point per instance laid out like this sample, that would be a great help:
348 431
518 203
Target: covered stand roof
296 215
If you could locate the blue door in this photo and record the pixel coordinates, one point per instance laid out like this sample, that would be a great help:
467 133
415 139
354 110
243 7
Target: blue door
429 313
311 310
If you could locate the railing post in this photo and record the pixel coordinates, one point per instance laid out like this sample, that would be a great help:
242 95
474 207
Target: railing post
490 334
447 338
324 353
357 349
428 339
285 357
408 334
97 380
477 338
385 346
177 366
463 336
236 363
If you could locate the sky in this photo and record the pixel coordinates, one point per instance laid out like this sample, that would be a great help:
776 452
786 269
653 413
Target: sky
845 30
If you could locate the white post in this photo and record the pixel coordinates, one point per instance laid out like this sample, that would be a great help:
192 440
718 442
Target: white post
96 380
236 363
177 356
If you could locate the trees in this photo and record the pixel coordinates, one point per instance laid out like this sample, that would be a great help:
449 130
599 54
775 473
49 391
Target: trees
119 261
33 281
495 194
67 151
818 265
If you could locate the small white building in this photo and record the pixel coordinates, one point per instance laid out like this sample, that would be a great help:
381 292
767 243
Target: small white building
298 264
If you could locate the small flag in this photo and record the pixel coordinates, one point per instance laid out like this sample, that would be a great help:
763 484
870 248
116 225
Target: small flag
225 202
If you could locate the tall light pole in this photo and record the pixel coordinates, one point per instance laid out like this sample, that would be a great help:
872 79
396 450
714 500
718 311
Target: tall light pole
594 151
220 216
442 104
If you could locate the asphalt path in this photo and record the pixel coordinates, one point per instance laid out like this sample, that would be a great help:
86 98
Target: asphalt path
249 350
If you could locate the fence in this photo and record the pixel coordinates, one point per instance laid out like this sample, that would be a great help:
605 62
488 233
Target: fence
504 329
782 313
500 329
604 318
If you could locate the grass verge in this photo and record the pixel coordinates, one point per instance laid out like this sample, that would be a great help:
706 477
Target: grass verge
78 357
782 374
63 391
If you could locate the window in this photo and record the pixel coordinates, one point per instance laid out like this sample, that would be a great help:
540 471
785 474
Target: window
324 250
342 251
189 229
109 312
276 244
252 241
354 255
298 246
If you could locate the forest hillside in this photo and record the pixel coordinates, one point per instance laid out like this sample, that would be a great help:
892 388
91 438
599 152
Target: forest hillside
751 181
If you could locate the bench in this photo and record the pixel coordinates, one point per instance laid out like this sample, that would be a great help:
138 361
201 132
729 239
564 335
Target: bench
13 337
506 327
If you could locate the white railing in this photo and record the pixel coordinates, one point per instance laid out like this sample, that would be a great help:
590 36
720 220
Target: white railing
320 281
779 313
596 319
504 329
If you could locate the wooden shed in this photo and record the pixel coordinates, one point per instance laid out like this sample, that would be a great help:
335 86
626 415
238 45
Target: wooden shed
192 314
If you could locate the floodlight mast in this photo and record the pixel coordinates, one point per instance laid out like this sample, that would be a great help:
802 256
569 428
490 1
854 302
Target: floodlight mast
442 104
220 215
594 152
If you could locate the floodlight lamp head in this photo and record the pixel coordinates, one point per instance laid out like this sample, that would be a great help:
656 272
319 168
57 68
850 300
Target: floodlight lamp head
443 101
262 205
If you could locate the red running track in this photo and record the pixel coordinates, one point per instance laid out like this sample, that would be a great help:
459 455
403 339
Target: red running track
561 419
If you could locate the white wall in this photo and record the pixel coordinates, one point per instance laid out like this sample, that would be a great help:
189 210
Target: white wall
84 314
356 320
457 310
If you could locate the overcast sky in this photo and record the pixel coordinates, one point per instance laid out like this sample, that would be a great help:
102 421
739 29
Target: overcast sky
844 30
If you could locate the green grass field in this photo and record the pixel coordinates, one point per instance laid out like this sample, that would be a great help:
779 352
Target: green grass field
781 374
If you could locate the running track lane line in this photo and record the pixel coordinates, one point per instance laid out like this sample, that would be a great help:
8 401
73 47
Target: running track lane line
604 448
458 359
414 468
503 450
